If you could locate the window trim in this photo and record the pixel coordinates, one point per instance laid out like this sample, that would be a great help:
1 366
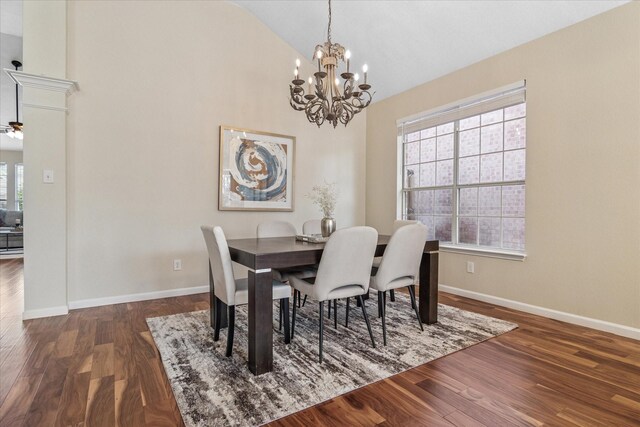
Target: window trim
16 200
486 98
483 251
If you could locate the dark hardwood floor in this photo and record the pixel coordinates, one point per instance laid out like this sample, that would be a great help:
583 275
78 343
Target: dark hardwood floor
99 367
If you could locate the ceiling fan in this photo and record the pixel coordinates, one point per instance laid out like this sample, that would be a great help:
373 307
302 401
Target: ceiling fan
14 129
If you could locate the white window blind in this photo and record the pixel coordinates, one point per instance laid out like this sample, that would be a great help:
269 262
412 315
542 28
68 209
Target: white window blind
3 185
19 195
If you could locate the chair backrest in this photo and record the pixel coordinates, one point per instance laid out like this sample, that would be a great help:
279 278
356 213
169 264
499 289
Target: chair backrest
276 229
312 227
224 282
402 256
346 260
402 222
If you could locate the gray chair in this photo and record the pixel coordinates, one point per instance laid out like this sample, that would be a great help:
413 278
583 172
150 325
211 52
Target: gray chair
232 291
396 225
312 226
283 229
344 272
275 229
399 267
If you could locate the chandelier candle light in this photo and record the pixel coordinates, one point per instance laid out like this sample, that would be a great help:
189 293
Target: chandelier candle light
327 98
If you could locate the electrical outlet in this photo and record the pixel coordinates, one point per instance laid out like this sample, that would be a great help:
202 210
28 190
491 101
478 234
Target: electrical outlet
177 264
47 176
470 267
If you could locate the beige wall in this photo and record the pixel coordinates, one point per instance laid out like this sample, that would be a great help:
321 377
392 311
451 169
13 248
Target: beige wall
11 158
157 80
583 168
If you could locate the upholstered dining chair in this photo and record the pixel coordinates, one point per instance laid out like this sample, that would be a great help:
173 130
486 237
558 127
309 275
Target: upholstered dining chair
312 226
232 291
396 225
399 267
344 272
276 229
283 229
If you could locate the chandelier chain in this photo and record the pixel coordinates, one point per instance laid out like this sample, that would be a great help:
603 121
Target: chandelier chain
329 27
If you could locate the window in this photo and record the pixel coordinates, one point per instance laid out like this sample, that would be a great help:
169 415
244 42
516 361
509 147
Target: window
3 185
463 171
19 186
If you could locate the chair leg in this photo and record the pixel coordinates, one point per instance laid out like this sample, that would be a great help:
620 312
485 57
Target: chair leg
296 300
329 315
284 303
412 294
392 294
280 316
232 320
413 302
379 304
384 323
218 319
366 319
321 319
335 313
304 301
346 319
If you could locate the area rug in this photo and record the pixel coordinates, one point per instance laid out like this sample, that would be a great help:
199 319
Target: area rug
213 390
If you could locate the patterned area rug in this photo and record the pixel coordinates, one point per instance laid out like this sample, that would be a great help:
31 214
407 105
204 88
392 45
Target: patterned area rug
213 390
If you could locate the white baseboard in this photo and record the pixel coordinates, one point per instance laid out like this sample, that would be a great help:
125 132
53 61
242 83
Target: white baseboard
11 255
120 299
601 325
45 312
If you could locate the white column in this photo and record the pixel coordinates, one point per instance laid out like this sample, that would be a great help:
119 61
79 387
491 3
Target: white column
45 204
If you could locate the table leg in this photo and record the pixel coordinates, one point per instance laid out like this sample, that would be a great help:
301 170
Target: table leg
428 297
212 305
260 321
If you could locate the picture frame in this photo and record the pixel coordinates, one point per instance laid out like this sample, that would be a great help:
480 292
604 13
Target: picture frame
256 170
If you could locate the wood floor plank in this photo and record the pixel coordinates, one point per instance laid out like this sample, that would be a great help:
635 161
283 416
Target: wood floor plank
459 419
46 403
395 409
18 402
100 366
339 412
129 411
102 362
162 413
73 401
101 403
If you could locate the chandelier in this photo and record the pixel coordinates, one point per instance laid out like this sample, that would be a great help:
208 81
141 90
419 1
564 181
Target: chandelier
327 97
14 130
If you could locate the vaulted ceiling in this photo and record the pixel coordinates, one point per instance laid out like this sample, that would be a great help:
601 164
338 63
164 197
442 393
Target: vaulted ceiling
407 43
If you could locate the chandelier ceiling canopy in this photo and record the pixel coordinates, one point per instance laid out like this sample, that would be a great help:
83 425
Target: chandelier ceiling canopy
327 98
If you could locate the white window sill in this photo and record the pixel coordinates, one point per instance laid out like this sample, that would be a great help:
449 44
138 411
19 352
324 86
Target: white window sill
490 253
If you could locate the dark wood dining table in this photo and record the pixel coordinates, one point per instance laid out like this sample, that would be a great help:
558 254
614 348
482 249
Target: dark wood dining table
264 254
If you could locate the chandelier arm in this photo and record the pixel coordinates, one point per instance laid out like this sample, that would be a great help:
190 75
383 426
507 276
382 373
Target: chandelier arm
361 103
296 100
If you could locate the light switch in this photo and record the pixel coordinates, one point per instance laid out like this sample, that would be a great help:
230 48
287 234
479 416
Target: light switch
47 176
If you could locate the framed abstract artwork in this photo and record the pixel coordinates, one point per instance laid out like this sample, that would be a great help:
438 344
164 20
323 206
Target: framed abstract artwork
256 170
